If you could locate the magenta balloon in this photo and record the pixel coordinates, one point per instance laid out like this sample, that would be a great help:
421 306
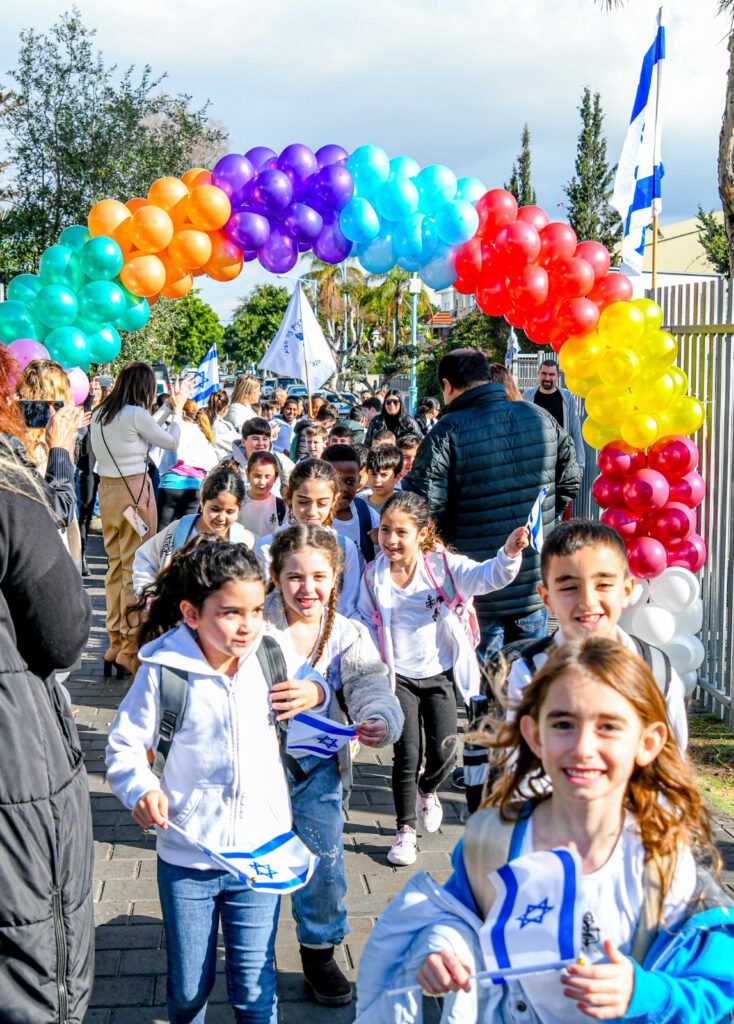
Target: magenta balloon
271 192
673 456
331 154
645 490
607 492
25 350
617 460
690 490
233 174
332 246
247 229
262 158
689 553
79 384
670 524
647 557
279 254
303 222
622 520
330 189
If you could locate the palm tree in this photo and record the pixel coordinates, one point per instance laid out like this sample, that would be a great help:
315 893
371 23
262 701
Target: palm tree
389 299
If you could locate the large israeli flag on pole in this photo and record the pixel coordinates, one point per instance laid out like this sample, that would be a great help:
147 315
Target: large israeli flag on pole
205 377
300 339
637 187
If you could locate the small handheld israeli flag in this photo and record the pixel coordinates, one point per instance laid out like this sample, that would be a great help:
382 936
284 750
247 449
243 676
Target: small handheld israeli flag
205 377
534 923
279 865
535 521
311 734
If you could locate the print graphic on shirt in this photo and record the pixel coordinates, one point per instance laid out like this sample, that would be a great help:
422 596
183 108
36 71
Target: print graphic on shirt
534 913
590 935
435 603
273 519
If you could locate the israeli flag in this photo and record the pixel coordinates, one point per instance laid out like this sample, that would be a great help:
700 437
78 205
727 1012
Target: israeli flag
279 865
513 349
534 923
637 187
205 377
299 341
311 734
535 521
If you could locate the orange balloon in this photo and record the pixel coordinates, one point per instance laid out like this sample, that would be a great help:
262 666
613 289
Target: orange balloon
209 207
171 195
226 260
190 249
134 205
152 299
196 176
178 288
151 229
112 218
143 275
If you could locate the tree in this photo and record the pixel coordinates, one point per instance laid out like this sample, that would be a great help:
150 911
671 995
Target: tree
520 184
256 320
712 236
590 189
152 342
77 132
198 329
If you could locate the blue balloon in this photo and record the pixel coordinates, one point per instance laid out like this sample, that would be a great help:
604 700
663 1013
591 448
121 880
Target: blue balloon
431 239
408 237
358 220
440 272
457 222
378 256
412 265
370 168
436 186
470 189
396 199
404 167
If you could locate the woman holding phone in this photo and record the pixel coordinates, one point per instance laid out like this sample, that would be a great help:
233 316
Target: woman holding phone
122 430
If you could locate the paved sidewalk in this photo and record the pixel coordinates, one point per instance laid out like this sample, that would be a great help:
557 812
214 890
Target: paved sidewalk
130 964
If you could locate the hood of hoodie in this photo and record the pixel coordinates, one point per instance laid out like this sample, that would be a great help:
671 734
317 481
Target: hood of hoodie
178 649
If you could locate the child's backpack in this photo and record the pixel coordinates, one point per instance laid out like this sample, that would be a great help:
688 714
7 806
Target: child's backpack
366 544
281 510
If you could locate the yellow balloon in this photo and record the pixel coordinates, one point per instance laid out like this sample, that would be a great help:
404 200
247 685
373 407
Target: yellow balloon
679 378
607 404
651 311
640 430
579 356
684 415
618 366
659 350
597 435
621 325
653 393
582 387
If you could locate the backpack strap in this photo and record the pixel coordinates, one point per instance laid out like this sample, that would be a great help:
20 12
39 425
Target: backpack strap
281 510
658 663
275 670
649 921
369 579
442 581
365 525
183 529
529 653
174 689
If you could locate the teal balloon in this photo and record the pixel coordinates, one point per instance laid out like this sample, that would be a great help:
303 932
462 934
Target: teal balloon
378 256
370 167
470 189
75 236
17 321
101 301
440 272
408 237
61 265
24 288
404 167
396 199
412 265
56 306
68 346
431 239
457 222
135 316
102 259
104 344
358 220
436 185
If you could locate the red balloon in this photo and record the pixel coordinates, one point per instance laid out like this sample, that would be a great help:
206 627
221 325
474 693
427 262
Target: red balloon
578 316
540 324
645 490
647 557
689 553
517 245
491 294
674 522
673 456
496 208
606 492
528 288
571 278
609 289
515 317
468 261
556 343
464 287
689 490
533 215
622 520
557 242
597 255
618 459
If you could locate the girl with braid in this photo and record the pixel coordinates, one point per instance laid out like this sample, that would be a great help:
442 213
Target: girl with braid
301 613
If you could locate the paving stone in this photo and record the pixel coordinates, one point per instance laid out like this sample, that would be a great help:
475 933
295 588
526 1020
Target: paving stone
131 888
143 936
118 992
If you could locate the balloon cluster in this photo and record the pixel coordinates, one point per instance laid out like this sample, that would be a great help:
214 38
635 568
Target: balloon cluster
667 612
650 500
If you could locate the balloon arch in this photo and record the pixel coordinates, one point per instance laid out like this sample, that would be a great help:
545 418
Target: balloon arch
104 277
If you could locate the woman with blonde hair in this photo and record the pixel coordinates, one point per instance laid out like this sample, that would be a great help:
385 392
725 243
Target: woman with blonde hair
225 434
245 394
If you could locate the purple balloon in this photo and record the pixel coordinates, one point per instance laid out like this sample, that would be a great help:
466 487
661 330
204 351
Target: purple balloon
279 254
298 162
249 255
247 229
271 192
302 222
25 350
331 154
233 174
262 158
330 189
304 246
332 246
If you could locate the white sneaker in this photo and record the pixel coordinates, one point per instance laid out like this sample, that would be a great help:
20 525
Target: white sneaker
428 811
404 848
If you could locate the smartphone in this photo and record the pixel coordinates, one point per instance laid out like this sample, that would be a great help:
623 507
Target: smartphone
37 413
88 402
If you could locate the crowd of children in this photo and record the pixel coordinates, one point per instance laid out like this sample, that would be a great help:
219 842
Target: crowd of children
306 538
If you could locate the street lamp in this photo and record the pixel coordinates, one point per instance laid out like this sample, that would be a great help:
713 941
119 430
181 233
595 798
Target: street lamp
414 287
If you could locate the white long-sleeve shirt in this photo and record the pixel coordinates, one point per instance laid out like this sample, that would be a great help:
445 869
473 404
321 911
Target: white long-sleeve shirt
126 440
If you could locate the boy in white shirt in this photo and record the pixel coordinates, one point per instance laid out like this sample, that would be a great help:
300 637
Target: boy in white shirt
353 516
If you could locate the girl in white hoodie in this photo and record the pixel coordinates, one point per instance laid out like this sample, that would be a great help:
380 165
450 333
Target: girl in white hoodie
223 781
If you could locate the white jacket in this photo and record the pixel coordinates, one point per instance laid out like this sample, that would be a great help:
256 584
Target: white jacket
223 777
192 450
225 437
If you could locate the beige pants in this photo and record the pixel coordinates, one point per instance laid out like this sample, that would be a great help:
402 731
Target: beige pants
121 542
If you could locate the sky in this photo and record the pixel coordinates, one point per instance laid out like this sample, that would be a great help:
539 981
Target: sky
443 81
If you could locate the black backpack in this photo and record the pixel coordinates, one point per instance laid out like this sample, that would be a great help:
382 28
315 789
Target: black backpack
365 525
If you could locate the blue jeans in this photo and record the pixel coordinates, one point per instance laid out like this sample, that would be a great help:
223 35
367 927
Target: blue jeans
500 631
316 802
193 902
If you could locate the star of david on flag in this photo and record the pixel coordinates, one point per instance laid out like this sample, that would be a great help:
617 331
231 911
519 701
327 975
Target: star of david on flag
312 734
279 865
534 923
535 521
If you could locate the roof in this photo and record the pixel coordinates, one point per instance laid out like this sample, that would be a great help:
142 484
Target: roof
441 319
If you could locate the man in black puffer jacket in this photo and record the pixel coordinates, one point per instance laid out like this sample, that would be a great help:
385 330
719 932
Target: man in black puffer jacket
481 469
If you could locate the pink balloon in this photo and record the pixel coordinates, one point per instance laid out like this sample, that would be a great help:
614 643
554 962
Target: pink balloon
25 350
689 554
618 459
79 384
622 520
645 490
690 490
673 523
606 492
647 557
673 456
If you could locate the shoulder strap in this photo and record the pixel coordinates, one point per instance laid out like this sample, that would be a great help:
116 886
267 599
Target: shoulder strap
489 843
534 648
280 509
649 922
174 688
183 529
657 661
365 525
437 567
272 662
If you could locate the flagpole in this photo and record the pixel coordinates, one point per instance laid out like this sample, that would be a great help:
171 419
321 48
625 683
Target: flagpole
656 156
654 251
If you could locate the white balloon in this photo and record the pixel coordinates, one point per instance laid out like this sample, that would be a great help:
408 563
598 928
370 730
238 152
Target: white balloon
627 620
686 653
675 589
690 682
640 594
690 620
653 624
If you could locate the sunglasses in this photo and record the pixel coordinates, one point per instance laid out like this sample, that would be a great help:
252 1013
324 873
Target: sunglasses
392 401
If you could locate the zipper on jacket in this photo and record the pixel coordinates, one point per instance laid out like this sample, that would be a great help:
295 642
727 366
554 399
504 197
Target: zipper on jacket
233 719
61 956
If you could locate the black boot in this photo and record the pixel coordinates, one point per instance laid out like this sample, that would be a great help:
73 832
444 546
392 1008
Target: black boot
324 978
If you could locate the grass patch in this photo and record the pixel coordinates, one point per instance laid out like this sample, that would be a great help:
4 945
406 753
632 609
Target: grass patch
711 750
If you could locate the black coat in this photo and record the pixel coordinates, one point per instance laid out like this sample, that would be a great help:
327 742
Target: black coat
400 425
481 468
46 857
